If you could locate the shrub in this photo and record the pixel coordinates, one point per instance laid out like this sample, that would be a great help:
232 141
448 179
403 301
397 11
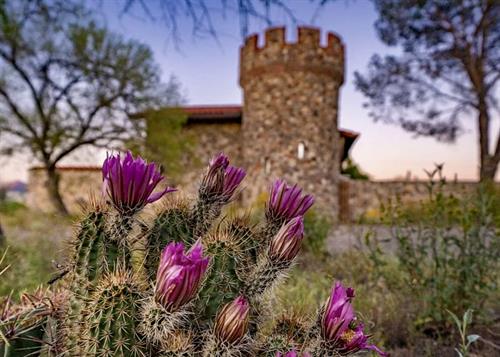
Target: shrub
351 169
316 228
30 266
448 250
10 208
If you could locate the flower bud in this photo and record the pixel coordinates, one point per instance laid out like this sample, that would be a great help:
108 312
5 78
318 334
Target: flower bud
221 180
285 245
179 275
231 323
287 202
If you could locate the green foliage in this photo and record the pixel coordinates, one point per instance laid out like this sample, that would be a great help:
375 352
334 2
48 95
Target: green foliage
30 266
316 228
465 340
391 310
30 236
11 208
448 252
165 141
352 170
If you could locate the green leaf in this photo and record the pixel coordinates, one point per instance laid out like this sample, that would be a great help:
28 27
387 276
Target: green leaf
468 317
473 338
455 318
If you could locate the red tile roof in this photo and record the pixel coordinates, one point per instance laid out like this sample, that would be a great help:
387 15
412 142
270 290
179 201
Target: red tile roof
213 111
348 134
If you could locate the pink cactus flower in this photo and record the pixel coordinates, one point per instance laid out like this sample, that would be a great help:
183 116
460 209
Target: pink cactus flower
221 179
285 245
179 275
231 323
287 202
338 321
130 183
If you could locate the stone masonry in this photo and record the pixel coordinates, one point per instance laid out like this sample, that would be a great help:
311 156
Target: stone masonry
76 184
290 108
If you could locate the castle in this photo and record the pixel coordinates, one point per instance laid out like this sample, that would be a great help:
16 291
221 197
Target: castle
287 127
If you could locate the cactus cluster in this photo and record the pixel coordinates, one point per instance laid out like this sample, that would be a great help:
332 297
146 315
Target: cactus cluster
187 280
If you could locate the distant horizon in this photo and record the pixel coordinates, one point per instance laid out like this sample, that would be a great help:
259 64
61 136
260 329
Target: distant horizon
208 71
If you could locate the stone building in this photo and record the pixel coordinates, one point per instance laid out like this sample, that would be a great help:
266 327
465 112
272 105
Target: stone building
287 125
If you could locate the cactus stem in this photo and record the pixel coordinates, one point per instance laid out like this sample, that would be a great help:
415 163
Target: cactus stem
159 325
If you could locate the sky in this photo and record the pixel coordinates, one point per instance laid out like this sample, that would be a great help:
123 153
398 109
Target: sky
208 71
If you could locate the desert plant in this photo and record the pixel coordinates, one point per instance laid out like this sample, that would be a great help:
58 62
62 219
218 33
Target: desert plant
465 340
316 228
187 281
447 249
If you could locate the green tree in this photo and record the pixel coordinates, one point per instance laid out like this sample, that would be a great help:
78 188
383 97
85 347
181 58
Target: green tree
67 82
352 170
447 71
165 141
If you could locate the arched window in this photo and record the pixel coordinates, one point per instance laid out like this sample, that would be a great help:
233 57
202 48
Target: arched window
301 150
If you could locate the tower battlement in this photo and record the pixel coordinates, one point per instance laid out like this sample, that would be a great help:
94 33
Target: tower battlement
306 54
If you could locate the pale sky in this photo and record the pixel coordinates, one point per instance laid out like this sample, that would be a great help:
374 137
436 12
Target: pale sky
208 71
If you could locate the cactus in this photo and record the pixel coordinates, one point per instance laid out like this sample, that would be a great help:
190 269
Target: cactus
186 280
112 317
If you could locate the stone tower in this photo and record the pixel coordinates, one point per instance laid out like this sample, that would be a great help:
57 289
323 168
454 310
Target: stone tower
290 109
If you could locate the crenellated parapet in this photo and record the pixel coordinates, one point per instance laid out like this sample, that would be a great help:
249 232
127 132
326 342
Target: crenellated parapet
276 55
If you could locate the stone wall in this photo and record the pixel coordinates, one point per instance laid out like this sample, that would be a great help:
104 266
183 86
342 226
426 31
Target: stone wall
362 199
290 104
75 184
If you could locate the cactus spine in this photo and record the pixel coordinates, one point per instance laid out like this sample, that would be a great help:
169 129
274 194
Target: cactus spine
111 318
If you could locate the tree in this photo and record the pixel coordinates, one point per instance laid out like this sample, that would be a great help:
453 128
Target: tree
67 82
448 70
200 13
2 236
165 141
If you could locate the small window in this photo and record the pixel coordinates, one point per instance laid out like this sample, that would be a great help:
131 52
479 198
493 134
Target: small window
301 150
267 166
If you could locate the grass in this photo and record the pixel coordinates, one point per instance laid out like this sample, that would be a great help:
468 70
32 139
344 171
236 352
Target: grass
34 241
311 280
386 306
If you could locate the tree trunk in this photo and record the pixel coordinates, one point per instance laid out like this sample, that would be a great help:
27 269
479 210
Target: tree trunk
2 236
488 163
53 190
488 169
